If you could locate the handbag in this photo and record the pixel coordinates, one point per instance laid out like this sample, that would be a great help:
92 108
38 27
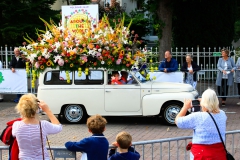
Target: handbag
228 155
42 142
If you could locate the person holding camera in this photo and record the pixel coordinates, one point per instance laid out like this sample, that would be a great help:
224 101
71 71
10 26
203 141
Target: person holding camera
30 132
206 141
226 68
18 61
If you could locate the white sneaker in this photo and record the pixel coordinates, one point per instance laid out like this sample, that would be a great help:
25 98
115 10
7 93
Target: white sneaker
238 103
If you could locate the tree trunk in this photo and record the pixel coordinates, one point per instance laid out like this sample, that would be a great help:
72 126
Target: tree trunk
165 14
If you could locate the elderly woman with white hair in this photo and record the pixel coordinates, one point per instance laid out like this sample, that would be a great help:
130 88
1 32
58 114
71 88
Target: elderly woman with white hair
206 141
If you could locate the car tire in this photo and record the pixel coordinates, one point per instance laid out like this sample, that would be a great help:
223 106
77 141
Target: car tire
74 113
170 111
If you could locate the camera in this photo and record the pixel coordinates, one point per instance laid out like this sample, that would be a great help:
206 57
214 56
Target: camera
196 106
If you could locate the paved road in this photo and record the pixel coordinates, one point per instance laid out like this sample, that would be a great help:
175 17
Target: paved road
141 128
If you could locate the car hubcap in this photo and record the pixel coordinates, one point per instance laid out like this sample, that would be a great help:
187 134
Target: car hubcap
171 113
74 113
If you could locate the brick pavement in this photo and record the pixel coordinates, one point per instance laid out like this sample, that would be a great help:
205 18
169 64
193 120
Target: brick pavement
141 128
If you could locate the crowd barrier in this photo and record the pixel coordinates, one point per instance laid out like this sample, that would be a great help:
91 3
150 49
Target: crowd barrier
161 149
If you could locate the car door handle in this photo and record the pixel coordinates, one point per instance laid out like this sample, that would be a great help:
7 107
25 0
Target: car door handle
107 91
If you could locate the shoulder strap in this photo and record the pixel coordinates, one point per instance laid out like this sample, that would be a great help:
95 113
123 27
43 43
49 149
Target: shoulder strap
41 139
218 130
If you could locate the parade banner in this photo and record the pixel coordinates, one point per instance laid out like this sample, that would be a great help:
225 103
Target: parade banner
79 18
176 77
13 82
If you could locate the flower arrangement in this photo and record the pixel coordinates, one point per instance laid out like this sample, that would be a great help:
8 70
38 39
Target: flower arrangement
99 47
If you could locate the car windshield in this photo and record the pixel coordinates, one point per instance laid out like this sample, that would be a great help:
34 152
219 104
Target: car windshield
140 77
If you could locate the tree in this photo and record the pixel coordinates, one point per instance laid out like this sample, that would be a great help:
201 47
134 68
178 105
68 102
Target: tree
164 11
205 23
21 17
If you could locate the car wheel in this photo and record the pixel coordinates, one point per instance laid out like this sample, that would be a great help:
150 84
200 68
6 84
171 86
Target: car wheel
74 113
170 111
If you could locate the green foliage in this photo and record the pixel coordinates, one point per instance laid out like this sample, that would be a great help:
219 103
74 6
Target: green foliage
204 23
19 17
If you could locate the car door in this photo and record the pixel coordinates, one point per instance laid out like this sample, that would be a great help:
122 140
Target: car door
123 98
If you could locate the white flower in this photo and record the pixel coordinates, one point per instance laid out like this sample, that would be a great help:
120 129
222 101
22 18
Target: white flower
102 62
29 46
44 51
57 44
92 52
56 58
107 48
31 57
35 44
99 50
47 55
42 42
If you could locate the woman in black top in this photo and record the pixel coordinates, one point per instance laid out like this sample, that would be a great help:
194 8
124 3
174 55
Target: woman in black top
190 68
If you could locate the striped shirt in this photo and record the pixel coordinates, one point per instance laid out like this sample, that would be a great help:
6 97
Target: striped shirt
29 141
204 129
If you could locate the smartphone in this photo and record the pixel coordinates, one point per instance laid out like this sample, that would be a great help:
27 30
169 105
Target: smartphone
196 106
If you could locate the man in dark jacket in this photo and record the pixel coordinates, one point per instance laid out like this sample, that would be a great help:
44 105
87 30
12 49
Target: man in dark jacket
169 64
17 61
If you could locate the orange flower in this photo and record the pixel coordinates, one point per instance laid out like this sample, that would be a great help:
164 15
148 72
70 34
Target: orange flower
90 46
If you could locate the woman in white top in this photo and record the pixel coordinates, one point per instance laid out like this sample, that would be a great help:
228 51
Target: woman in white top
226 67
27 131
237 76
206 141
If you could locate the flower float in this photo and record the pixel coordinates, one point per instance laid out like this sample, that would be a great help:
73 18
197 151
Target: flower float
101 46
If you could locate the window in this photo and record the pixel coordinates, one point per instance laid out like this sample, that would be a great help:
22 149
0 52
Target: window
95 77
56 78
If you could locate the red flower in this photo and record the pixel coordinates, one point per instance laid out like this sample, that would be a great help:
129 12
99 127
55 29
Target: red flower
97 46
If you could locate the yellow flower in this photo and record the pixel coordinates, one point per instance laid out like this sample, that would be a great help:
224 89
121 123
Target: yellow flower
42 67
71 65
48 63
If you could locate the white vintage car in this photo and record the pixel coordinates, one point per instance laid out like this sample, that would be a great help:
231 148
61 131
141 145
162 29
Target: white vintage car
93 94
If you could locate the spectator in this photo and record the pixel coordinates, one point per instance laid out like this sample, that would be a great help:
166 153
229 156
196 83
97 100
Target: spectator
124 78
17 61
28 131
1 96
237 76
96 146
226 67
123 142
206 143
115 79
190 68
169 64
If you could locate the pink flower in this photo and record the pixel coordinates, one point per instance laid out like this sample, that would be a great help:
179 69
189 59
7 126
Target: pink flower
39 58
60 62
98 54
118 61
37 65
84 58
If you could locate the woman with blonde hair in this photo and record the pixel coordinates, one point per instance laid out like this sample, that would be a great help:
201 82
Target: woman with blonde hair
31 132
206 141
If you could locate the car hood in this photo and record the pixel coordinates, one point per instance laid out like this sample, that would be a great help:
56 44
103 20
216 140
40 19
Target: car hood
163 87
